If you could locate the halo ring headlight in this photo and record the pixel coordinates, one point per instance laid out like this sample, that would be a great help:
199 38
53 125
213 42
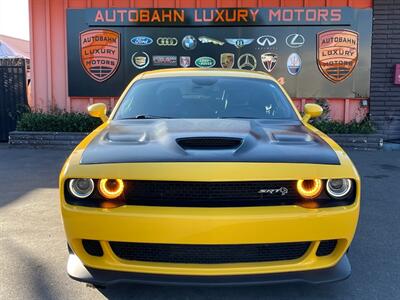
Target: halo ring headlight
339 188
111 188
81 187
309 189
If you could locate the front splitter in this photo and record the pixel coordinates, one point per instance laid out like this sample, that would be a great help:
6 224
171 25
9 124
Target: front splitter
78 271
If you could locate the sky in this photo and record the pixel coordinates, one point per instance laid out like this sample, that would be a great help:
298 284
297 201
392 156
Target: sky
14 18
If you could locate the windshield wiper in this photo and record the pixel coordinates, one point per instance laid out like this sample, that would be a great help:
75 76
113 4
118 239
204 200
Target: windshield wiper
146 117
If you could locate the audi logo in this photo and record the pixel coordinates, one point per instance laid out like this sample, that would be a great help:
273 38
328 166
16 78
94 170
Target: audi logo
167 41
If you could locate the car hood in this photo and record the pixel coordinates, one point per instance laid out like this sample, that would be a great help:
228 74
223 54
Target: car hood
208 140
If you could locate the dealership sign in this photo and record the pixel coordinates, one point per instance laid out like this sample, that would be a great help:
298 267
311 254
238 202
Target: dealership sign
217 16
319 52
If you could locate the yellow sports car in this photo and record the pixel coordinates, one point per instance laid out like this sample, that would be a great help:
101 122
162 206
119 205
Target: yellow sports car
204 176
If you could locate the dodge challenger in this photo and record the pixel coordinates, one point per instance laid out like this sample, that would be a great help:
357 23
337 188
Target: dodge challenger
203 176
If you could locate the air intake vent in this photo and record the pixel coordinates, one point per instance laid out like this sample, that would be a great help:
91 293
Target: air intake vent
209 143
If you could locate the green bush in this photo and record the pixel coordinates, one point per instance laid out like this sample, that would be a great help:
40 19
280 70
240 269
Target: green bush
334 127
57 121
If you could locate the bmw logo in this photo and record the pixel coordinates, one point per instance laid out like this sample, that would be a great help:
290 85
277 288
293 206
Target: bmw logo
189 42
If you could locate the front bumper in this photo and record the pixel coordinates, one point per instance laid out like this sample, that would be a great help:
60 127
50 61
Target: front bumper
210 226
76 270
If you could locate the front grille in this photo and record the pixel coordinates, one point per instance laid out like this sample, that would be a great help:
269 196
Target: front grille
326 247
209 254
212 194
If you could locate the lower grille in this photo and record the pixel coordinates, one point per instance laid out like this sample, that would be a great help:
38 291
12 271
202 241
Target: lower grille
209 254
326 247
92 247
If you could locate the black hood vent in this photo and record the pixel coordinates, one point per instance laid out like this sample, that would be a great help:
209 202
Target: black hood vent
209 143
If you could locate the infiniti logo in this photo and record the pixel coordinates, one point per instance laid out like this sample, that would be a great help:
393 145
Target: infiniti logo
282 190
295 40
266 39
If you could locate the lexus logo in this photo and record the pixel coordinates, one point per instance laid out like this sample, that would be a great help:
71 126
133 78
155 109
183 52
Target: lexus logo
295 40
268 40
167 41
247 61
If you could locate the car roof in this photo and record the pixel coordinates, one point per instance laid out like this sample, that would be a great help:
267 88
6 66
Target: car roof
205 72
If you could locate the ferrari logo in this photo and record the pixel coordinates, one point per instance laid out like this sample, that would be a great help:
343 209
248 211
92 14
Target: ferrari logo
337 53
227 60
100 53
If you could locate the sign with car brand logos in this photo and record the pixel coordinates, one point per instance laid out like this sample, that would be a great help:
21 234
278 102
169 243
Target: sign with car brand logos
322 55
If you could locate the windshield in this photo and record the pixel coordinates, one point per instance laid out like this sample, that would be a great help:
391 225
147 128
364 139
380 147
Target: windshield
205 97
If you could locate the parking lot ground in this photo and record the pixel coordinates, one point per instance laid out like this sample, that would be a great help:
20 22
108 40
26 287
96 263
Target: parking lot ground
33 252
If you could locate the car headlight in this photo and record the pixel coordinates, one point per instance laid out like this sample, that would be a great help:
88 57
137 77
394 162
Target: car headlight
338 188
309 189
81 187
111 188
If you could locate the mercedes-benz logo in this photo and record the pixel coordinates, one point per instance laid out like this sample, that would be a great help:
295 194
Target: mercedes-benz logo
247 61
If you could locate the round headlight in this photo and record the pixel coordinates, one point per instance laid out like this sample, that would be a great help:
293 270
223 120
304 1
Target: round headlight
338 188
309 189
81 187
111 188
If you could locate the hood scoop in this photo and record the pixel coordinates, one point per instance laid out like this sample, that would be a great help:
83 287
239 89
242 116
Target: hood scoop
209 143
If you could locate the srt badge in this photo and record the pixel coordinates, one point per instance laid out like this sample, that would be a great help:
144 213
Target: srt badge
269 61
337 53
294 64
227 60
100 53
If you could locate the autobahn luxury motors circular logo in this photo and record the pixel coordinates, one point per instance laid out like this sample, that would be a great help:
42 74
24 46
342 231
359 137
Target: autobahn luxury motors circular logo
100 53
337 53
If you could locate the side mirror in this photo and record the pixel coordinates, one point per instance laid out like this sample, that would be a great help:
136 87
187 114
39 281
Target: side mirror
98 110
311 111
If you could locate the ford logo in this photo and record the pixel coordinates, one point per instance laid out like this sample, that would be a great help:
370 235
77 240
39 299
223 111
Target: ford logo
141 40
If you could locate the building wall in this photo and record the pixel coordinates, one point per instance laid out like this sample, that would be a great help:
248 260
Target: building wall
385 95
48 31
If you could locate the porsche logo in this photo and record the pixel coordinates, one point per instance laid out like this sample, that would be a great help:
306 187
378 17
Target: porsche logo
337 53
227 60
100 53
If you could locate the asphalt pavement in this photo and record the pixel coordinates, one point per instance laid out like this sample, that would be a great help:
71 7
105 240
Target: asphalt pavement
33 251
